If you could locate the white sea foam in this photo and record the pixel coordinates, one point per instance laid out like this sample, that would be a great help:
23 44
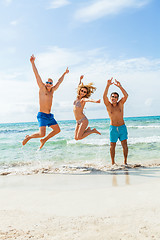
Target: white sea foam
99 142
141 126
104 142
78 168
153 139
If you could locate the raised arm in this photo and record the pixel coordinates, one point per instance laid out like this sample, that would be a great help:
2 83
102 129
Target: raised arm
56 86
38 78
90 100
80 81
125 94
105 98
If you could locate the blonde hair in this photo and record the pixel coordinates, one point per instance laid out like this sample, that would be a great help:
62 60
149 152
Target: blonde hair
50 79
90 89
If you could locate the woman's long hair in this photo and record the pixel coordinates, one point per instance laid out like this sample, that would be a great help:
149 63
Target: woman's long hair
89 87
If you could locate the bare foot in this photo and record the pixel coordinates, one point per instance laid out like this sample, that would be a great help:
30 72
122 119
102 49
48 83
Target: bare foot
27 138
42 143
95 131
114 164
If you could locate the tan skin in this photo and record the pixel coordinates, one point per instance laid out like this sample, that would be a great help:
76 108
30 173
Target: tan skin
81 130
45 102
115 111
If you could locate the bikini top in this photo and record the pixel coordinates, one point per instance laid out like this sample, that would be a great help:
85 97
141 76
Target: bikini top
77 103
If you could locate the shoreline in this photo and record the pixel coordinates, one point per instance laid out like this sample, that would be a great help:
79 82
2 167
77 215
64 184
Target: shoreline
78 168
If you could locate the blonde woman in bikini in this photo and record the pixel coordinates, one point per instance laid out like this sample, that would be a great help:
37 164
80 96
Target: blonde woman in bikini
83 94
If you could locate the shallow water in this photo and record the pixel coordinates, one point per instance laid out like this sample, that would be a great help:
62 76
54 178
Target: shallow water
63 154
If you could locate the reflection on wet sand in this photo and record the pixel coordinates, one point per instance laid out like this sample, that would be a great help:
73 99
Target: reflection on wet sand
115 181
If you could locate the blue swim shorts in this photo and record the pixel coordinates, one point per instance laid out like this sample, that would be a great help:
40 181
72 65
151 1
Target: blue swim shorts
118 133
45 119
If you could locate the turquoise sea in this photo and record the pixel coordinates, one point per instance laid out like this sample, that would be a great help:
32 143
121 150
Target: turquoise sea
63 154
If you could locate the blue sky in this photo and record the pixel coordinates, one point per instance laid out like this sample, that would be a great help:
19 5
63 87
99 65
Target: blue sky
97 38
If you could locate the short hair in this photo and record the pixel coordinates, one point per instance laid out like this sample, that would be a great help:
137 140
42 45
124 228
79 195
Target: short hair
50 79
115 93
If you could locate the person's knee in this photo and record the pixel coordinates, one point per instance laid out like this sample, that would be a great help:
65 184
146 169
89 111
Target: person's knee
57 129
79 137
42 134
76 138
112 145
124 145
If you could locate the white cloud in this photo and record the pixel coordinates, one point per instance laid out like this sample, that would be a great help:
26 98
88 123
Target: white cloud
58 4
14 22
59 58
11 75
7 2
139 76
18 100
100 8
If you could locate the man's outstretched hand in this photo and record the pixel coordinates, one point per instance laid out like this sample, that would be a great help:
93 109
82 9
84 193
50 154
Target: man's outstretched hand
116 83
32 58
109 82
67 71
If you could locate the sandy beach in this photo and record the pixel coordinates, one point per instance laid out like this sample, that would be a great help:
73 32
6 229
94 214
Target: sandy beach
63 206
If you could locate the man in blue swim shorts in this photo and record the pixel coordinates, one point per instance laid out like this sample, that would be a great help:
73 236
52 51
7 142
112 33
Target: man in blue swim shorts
44 117
118 128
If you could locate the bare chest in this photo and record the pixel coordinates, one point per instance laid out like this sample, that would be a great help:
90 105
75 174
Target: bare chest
115 111
46 95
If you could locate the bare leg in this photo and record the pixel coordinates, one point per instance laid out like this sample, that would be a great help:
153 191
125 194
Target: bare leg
83 132
112 151
56 130
125 150
76 131
88 128
41 133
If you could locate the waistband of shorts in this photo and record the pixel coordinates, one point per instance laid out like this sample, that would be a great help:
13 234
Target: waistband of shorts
118 126
44 114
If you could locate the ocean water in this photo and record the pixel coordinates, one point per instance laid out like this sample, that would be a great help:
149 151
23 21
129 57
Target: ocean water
63 154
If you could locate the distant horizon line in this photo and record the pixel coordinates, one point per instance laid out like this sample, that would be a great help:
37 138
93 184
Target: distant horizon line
125 118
